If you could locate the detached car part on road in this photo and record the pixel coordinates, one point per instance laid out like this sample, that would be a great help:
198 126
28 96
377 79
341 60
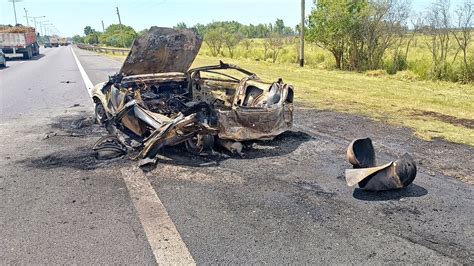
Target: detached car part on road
393 175
156 100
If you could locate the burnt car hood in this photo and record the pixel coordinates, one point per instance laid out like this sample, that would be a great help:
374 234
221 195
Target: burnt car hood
162 50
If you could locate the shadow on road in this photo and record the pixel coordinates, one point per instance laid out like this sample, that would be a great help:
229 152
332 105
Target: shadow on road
38 57
412 191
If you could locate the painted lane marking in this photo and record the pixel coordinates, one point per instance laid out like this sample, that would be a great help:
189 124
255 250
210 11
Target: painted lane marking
84 75
165 241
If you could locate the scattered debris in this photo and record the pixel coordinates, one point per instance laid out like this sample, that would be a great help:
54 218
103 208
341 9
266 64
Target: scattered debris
49 134
155 101
108 147
393 175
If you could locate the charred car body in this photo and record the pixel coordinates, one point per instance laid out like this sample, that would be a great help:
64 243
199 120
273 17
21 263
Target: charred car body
156 100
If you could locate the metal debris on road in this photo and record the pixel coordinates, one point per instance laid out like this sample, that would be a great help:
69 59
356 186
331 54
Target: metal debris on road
393 175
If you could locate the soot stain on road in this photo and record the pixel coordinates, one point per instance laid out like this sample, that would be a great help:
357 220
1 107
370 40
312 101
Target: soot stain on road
82 157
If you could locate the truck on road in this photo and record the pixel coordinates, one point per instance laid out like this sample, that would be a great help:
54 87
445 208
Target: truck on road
54 41
63 42
16 40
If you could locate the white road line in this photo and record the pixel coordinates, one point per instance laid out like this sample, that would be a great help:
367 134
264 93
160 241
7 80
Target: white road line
167 245
164 238
86 78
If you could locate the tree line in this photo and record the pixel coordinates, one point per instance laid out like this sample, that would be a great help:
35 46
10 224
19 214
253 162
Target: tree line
360 34
115 35
245 31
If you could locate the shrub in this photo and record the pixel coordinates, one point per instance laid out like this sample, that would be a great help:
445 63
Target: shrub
421 67
397 63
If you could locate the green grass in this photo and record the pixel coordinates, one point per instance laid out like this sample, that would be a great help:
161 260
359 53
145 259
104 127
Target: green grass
391 99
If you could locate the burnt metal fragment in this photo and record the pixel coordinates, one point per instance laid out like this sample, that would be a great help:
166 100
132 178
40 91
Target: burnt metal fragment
361 153
393 175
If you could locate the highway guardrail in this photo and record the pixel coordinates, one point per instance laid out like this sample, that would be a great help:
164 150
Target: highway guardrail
106 50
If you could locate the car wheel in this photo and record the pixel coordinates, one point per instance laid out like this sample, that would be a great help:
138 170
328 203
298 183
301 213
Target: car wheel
100 113
199 143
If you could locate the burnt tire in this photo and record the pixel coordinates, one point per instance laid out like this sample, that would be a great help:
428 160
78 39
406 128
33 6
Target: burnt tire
199 143
100 113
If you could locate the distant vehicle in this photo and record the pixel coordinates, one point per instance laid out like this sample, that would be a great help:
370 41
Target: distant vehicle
3 60
47 45
54 41
63 42
16 40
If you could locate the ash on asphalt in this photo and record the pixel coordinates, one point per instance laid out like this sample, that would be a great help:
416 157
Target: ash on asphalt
80 126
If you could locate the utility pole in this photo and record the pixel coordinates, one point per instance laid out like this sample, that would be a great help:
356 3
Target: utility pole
103 28
41 26
46 28
302 35
120 23
14 11
26 15
34 19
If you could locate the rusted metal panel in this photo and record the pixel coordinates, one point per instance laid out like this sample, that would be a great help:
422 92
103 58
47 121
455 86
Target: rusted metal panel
248 124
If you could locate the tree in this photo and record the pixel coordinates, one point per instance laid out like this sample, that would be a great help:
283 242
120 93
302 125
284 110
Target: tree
92 37
78 39
231 40
402 45
462 35
200 29
88 30
438 28
279 26
357 33
114 33
328 27
379 24
275 44
213 39
180 26
247 43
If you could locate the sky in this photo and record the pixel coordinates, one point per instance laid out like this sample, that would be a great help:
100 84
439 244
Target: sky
69 17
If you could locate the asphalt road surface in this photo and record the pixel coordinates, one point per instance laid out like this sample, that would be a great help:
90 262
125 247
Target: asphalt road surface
286 202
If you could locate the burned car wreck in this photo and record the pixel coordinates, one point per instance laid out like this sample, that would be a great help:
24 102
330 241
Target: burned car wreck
156 100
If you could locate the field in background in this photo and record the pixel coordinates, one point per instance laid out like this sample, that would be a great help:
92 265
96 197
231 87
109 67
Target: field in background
433 109
419 57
